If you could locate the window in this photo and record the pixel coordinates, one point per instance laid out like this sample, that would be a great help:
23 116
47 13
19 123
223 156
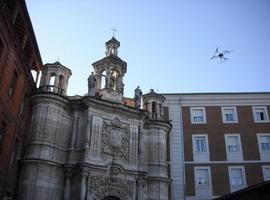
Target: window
229 115
237 176
264 142
200 147
264 146
202 176
260 114
197 115
232 143
266 172
233 147
200 144
12 88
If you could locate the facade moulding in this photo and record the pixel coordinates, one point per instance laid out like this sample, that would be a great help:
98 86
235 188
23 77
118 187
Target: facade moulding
50 98
116 108
166 126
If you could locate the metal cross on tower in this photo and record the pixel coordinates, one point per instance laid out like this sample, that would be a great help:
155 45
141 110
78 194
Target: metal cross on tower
114 30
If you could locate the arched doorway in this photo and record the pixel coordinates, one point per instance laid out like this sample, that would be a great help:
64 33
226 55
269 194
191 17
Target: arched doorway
110 198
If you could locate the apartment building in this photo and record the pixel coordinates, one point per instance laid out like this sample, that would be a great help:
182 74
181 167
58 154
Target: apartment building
220 142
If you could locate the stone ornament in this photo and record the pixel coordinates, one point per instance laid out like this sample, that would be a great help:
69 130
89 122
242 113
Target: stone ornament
92 81
100 187
115 139
115 169
137 97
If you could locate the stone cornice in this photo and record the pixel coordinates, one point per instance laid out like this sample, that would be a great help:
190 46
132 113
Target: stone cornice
219 99
110 60
106 167
114 107
51 98
164 125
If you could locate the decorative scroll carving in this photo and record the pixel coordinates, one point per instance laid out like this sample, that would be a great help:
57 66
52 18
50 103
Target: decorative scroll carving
100 187
115 139
115 169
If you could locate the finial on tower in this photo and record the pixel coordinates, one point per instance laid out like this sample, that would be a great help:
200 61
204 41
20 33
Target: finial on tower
112 46
114 30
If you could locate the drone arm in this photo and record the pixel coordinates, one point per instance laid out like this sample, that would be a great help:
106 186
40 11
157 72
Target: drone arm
213 57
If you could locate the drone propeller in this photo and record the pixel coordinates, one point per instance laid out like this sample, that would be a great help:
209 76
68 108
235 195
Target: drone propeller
213 57
226 51
220 54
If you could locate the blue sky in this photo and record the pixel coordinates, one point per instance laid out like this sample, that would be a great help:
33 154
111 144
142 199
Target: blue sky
167 44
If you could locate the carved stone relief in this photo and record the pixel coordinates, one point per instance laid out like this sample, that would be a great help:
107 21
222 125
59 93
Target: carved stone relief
100 187
115 139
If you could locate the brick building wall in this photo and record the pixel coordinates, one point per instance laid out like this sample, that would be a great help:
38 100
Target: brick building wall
215 130
19 55
210 161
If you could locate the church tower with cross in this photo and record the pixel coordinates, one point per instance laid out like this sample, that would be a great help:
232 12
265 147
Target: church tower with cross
107 79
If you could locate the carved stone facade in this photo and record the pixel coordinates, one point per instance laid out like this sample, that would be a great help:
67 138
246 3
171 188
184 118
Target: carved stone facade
95 147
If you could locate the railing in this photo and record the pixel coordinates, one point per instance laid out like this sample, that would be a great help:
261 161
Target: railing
198 119
233 148
52 89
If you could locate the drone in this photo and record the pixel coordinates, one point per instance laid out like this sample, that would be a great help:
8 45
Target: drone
220 54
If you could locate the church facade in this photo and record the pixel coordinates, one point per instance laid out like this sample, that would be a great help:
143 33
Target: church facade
95 147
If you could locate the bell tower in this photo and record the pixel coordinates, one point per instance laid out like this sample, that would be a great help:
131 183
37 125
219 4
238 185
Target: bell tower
152 102
107 78
55 78
112 47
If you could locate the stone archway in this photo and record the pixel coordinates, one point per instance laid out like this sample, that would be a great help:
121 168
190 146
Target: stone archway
110 198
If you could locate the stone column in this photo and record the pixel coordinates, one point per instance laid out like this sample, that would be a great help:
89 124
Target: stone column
141 190
65 85
84 174
98 82
119 84
157 110
158 180
56 88
161 111
67 190
88 130
74 129
150 108
36 81
44 81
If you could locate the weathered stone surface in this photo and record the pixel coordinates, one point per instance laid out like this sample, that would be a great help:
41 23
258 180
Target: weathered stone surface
91 148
